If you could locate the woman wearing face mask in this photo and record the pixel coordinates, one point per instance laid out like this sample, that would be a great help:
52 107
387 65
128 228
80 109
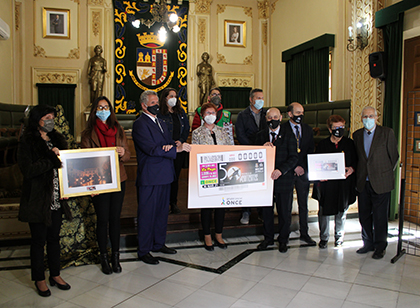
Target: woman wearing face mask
40 204
211 134
335 196
103 130
171 112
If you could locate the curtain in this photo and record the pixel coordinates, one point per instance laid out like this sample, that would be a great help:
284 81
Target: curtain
235 97
307 77
58 94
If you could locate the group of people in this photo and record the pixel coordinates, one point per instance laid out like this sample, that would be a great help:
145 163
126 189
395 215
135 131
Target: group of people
160 135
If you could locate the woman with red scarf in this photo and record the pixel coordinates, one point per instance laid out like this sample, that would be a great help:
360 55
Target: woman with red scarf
103 130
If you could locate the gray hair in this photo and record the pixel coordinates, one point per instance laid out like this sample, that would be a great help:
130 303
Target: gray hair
369 107
144 97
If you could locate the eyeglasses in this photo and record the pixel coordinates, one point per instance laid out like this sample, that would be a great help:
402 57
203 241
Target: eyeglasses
102 108
371 116
216 94
337 127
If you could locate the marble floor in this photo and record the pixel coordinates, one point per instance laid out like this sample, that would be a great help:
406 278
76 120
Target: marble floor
236 277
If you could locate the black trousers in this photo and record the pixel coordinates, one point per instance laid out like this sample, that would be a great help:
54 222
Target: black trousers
284 211
178 163
219 219
108 212
373 217
302 191
40 233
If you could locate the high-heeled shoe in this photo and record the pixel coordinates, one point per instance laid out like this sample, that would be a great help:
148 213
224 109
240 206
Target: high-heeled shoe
208 248
45 293
220 245
115 262
106 269
54 283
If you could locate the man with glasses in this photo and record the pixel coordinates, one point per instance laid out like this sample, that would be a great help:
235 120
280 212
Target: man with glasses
223 116
377 152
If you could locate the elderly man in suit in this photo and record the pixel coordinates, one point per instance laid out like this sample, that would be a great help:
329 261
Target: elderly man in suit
155 172
377 152
305 145
286 160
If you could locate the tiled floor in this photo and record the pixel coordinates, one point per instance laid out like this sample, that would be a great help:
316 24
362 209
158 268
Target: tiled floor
236 277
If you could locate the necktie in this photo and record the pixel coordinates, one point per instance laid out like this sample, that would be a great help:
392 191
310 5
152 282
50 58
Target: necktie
297 137
158 124
369 132
273 137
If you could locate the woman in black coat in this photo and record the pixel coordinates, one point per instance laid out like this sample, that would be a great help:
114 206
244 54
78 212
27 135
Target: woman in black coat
40 203
335 196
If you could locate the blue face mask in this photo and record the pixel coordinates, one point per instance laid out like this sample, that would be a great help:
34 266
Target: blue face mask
368 123
259 103
103 115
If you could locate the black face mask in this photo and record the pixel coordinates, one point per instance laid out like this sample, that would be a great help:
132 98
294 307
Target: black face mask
339 132
298 119
153 109
216 100
273 124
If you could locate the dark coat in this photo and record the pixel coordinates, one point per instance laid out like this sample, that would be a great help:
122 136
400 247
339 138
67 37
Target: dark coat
246 127
184 123
37 162
335 196
382 160
286 158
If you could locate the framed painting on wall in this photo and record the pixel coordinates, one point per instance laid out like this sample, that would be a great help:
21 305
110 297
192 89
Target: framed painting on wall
55 23
235 33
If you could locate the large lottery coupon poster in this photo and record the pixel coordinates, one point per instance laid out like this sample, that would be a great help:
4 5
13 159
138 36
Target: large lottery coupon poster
230 176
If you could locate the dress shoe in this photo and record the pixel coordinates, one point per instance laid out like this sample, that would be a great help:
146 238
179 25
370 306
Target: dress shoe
264 244
149 259
308 240
283 247
106 269
115 262
45 293
364 249
64 287
220 245
323 244
208 248
165 249
378 254
338 243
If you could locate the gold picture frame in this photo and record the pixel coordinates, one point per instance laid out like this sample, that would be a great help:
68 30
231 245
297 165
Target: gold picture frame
235 33
55 23
89 171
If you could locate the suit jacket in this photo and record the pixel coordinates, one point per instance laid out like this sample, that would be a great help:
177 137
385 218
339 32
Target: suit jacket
154 165
246 128
286 157
382 160
306 143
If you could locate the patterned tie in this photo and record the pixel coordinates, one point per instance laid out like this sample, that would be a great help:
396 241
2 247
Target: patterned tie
297 137
273 137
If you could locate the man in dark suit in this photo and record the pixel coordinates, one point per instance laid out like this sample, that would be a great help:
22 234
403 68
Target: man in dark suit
249 122
155 172
377 152
305 145
286 160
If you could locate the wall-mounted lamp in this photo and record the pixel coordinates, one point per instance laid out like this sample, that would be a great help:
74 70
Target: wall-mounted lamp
361 36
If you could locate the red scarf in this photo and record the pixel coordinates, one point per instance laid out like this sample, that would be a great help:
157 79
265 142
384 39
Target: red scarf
105 134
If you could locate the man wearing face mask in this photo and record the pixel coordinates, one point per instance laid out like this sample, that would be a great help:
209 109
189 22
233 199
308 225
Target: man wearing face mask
249 122
222 116
305 145
286 160
377 152
155 151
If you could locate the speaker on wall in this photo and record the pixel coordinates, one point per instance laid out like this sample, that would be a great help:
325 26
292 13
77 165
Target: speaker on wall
377 65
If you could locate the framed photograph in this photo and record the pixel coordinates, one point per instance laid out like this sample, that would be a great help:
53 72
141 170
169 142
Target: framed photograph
235 33
55 23
326 166
416 148
89 171
417 118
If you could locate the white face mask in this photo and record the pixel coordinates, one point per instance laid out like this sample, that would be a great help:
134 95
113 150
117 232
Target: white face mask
172 101
210 118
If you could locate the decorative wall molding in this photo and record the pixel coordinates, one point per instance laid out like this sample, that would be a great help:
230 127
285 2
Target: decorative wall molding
18 6
96 23
76 1
56 77
74 53
39 52
248 60
265 8
96 2
264 32
235 80
221 58
202 27
221 8
202 6
248 11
